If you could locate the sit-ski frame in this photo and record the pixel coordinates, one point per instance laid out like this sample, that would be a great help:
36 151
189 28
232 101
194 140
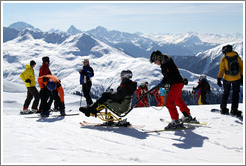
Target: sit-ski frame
111 115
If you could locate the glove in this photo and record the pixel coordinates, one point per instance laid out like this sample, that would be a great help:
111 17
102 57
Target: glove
185 81
219 82
28 81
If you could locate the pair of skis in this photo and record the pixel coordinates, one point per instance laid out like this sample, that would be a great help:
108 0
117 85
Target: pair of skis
191 126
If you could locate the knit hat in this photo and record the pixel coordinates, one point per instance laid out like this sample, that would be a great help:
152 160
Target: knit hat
46 59
32 62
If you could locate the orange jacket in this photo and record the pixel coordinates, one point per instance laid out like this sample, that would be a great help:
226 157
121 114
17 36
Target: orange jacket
42 81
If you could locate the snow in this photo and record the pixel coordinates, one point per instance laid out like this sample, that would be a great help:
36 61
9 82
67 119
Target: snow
56 141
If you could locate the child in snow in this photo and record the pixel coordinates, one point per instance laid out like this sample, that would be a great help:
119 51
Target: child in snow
126 88
28 77
172 76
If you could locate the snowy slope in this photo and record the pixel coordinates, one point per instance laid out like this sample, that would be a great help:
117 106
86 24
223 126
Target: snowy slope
63 141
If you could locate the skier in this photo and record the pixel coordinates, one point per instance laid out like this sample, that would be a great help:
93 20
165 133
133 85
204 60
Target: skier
142 89
231 69
202 89
53 84
85 80
172 76
45 70
126 88
29 78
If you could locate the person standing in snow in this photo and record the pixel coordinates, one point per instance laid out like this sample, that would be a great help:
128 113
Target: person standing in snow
172 76
53 84
202 89
85 80
28 77
231 70
45 70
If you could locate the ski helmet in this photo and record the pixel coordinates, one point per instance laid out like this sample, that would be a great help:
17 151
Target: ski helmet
226 49
155 56
51 85
126 74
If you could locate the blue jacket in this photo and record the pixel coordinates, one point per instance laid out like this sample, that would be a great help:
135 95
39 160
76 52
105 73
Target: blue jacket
85 74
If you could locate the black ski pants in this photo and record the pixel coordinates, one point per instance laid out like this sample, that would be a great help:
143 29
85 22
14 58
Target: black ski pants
32 91
227 85
46 100
86 91
57 100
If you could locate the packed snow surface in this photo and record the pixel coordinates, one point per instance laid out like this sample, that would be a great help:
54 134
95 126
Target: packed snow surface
53 140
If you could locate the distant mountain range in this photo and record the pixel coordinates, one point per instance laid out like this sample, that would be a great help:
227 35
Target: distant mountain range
109 52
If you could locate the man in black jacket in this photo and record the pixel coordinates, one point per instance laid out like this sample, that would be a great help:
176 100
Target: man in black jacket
126 88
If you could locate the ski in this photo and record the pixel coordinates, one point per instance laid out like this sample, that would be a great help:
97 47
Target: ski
192 123
177 129
56 116
85 123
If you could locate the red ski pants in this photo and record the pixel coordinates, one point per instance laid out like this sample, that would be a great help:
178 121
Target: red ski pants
175 98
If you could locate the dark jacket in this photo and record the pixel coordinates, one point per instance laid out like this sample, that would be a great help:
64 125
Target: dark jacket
126 88
170 72
204 86
85 74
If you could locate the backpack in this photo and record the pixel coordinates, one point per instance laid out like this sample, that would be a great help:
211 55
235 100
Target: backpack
233 66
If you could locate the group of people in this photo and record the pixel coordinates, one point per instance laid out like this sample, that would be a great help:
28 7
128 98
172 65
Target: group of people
50 90
160 95
172 78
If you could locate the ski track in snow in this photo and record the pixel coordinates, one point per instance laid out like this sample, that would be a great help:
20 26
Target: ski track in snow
64 141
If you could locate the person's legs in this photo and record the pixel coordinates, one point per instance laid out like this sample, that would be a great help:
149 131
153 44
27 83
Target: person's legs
235 96
86 91
34 92
170 104
28 98
225 96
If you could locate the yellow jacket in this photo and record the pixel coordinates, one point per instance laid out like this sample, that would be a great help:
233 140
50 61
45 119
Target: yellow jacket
224 67
28 73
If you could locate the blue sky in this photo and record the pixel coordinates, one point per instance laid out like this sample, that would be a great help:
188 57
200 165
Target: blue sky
145 17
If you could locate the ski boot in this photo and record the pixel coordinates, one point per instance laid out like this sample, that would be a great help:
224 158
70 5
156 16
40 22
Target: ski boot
224 111
123 123
188 119
26 111
236 113
62 112
175 124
